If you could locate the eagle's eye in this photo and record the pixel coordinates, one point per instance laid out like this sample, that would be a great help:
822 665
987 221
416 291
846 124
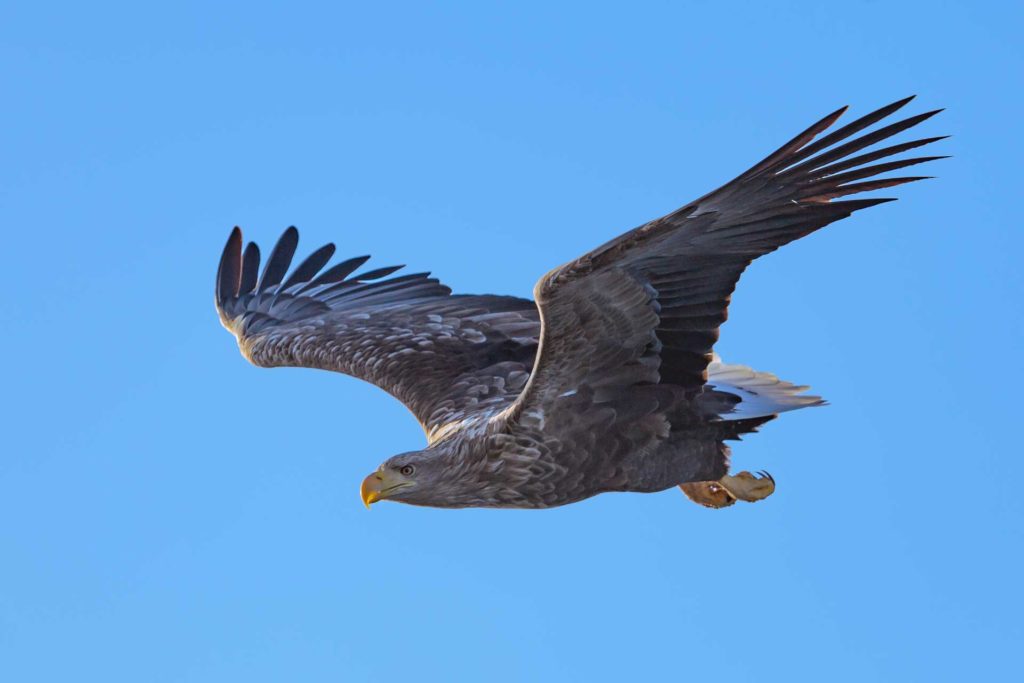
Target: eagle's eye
407 470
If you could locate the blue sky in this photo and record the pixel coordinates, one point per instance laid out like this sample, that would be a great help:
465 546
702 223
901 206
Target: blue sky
170 513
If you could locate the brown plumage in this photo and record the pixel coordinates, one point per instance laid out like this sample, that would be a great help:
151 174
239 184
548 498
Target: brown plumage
608 382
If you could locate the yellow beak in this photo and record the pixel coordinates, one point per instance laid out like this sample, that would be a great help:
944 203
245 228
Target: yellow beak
371 489
382 484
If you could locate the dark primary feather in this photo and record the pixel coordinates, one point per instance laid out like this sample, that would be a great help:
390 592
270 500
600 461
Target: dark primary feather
310 267
229 271
279 260
250 266
337 272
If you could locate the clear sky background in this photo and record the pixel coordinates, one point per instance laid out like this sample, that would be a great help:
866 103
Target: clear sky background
170 513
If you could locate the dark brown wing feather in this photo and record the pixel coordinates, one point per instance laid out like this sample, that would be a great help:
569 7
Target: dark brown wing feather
446 357
645 308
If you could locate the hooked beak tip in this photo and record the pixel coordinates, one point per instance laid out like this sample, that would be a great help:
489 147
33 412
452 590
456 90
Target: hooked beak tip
370 490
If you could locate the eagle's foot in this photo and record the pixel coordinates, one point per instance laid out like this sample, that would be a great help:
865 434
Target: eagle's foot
748 487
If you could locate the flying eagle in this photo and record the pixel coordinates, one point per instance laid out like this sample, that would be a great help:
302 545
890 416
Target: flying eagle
608 382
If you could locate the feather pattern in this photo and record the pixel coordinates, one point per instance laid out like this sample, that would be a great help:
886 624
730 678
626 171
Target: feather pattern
405 334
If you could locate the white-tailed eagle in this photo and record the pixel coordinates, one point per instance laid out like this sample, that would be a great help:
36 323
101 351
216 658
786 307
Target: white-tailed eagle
609 381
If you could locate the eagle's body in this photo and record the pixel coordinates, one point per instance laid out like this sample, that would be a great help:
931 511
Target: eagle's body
607 383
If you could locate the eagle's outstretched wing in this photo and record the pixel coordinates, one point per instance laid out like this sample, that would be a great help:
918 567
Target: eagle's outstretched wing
445 357
642 312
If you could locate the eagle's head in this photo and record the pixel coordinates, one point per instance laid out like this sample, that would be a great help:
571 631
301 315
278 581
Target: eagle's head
434 477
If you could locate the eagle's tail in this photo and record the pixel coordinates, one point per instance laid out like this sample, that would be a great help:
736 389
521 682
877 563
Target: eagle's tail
736 392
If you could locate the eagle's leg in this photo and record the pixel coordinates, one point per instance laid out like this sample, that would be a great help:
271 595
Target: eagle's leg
730 488
710 494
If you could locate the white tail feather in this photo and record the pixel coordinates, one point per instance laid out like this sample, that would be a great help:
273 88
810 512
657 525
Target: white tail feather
761 393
